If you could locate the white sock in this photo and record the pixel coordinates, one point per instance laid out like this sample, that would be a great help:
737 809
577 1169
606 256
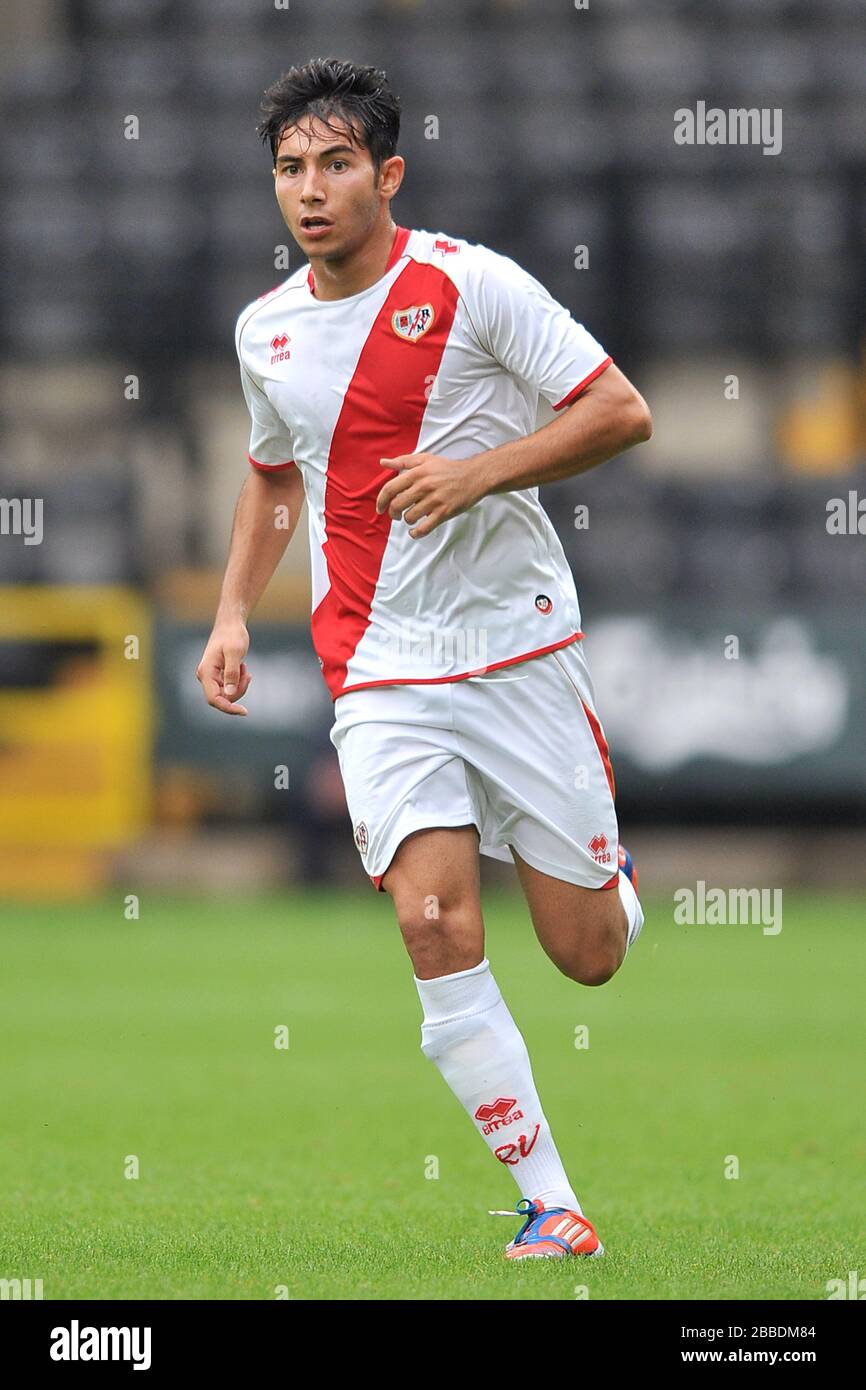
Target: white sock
633 910
470 1035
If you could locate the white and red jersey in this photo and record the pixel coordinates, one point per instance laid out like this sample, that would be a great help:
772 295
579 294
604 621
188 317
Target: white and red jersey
448 353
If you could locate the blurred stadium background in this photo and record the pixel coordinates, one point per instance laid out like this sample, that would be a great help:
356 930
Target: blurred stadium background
728 284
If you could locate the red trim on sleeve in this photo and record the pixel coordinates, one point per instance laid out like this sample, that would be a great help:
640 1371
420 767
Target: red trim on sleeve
270 467
575 391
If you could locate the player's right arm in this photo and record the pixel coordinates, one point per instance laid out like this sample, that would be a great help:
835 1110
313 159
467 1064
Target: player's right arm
266 515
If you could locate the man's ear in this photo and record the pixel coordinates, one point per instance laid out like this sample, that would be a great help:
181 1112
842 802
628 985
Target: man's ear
391 175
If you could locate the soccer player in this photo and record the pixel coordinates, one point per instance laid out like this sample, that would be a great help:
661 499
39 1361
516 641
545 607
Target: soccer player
393 381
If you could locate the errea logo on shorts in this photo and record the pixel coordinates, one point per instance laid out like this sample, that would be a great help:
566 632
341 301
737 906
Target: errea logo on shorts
599 850
279 347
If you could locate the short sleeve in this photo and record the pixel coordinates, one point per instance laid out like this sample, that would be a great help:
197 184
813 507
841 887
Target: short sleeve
528 332
271 446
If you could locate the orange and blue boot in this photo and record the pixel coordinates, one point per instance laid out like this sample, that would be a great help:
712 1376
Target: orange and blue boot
550 1233
626 863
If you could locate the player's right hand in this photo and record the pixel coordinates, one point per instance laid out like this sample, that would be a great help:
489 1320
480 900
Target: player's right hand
222 670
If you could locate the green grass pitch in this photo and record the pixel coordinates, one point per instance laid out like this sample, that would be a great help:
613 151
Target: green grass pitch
306 1168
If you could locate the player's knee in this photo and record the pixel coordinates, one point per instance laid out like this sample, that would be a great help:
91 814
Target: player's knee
440 939
587 968
599 972
589 958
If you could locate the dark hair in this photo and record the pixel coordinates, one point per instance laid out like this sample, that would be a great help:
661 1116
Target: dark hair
327 87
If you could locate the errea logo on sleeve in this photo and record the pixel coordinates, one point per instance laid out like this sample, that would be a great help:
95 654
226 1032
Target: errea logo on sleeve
279 347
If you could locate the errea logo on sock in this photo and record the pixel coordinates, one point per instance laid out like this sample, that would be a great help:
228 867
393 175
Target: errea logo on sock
497 1114
77 1343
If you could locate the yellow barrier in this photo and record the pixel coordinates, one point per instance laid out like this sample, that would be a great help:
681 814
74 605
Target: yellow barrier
75 753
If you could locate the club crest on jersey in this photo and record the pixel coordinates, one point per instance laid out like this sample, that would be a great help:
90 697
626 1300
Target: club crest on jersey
362 839
543 603
412 323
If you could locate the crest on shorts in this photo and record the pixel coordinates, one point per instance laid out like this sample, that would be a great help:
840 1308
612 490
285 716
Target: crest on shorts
362 838
412 323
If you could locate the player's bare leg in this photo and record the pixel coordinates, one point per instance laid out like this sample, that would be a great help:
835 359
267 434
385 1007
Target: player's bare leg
468 1030
585 931
434 882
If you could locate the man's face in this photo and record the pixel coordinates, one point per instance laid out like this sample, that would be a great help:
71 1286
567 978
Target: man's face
327 187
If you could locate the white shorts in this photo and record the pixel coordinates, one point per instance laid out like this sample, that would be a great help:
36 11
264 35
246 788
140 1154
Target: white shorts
519 752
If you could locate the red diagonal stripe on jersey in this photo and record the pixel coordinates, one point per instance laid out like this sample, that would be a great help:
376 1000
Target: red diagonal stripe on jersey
380 417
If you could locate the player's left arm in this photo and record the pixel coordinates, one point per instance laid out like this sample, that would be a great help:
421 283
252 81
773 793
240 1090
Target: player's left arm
606 418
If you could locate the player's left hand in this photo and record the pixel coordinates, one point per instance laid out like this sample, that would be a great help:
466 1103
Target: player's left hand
428 486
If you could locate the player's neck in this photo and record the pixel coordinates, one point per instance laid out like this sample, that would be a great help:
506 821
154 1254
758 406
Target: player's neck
352 274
